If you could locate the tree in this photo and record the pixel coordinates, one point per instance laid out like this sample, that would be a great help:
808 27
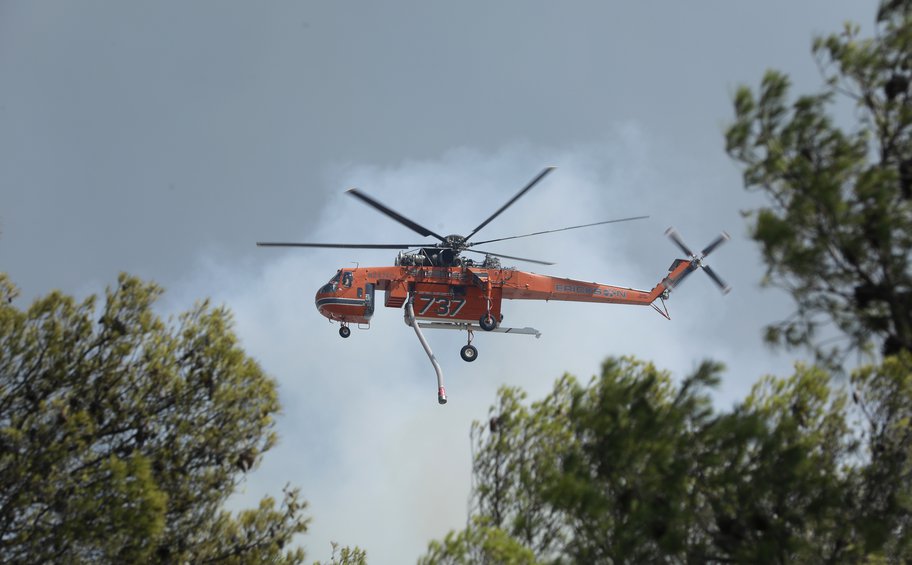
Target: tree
837 230
122 436
631 468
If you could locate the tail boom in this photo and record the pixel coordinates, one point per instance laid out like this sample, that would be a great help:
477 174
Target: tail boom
531 286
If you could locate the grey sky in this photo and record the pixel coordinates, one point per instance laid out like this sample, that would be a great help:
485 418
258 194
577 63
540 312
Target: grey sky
165 138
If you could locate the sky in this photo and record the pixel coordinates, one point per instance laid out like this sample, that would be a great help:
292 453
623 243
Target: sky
165 138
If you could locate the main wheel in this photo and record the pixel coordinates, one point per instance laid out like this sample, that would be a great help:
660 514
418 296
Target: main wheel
468 353
487 322
345 331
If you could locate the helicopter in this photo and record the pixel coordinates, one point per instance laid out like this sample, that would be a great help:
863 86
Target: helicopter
440 288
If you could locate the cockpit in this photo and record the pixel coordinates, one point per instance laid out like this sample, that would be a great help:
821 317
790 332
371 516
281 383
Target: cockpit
346 298
345 277
332 285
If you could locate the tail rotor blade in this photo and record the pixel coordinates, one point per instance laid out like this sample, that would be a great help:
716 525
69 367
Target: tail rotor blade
723 237
673 235
722 284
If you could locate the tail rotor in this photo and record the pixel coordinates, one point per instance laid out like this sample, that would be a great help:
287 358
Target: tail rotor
696 260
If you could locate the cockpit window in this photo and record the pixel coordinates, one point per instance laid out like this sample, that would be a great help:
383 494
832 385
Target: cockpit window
347 279
332 284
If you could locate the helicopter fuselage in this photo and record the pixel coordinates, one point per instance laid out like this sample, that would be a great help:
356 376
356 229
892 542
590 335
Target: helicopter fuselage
464 293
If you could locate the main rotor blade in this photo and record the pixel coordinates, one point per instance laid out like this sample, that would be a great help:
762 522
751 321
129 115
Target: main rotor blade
510 257
343 245
673 234
519 194
712 274
561 229
723 237
393 214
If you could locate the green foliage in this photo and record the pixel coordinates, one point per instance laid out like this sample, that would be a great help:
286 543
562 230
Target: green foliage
884 396
121 435
632 468
837 232
346 556
479 543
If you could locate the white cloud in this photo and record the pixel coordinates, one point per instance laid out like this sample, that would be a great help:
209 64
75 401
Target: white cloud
384 466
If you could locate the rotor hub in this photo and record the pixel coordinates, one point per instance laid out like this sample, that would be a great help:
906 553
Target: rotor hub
456 242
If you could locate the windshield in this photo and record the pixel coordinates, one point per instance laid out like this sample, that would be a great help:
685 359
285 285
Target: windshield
332 285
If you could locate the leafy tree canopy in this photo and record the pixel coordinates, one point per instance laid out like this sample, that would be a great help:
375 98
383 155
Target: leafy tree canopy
122 435
631 468
837 230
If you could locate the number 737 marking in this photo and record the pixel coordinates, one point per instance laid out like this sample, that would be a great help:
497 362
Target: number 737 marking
445 306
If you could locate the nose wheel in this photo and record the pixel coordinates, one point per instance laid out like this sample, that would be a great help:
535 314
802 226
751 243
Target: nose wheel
345 331
468 353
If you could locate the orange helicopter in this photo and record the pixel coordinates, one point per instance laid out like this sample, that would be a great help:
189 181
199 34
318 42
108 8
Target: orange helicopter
441 289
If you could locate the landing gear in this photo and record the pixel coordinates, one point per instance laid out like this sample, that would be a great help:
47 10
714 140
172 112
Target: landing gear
487 322
468 351
345 331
